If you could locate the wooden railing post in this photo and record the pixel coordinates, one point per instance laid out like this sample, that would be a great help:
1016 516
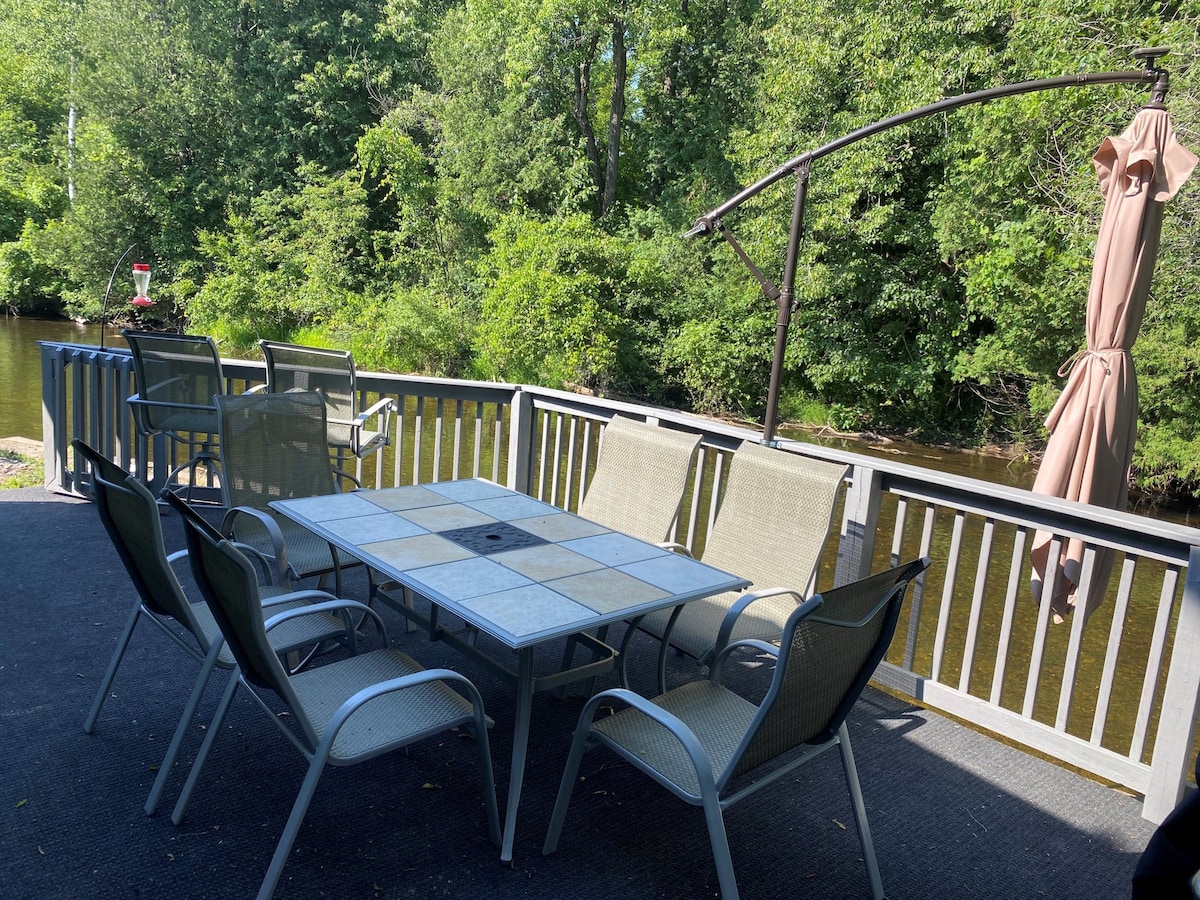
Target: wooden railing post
1180 705
860 521
520 441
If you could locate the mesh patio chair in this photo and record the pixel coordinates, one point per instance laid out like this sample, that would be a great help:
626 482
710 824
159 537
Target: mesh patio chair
273 447
637 487
130 515
177 377
771 528
640 478
331 373
705 744
344 712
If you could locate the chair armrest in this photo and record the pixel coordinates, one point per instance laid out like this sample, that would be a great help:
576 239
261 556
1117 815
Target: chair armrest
257 389
675 547
672 723
334 605
740 605
278 554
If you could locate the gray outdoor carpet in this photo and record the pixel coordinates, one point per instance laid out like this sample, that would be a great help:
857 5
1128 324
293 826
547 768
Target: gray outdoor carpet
953 813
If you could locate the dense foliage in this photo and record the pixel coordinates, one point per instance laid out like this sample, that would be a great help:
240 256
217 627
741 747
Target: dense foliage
498 188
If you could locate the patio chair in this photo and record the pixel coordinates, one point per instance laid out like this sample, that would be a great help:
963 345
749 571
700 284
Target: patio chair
704 743
273 447
177 376
344 712
130 515
637 487
640 477
331 373
771 528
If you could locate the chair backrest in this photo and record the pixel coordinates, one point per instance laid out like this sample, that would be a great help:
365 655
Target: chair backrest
640 478
175 373
330 373
228 583
831 646
774 517
130 515
273 447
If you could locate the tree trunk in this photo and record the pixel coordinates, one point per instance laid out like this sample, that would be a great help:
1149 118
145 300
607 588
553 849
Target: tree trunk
616 117
583 88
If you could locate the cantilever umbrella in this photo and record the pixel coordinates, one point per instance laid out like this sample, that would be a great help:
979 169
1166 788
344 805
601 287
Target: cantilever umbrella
1093 425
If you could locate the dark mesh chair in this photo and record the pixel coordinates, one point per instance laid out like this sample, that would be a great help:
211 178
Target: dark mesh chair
341 713
331 373
177 377
273 447
705 743
130 515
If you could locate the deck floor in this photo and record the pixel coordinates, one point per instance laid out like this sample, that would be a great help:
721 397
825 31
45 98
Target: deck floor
953 813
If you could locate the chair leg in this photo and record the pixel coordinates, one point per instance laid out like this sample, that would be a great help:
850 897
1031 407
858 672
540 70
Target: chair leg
215 726
574 758
860 813
719 841
284 848
185 721
106 683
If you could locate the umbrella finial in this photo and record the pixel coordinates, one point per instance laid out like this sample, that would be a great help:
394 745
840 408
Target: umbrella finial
1158 93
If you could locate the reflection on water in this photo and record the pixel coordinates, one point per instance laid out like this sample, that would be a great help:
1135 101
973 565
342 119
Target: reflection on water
21 368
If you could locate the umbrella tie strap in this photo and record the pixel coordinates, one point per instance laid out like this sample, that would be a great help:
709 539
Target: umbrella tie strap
1064 371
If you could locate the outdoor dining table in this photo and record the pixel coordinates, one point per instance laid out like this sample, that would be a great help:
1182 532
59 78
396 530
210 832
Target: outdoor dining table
518 569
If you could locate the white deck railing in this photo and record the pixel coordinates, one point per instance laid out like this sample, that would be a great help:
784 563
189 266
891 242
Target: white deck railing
1117 696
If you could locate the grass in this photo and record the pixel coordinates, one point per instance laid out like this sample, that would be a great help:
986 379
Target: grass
28 472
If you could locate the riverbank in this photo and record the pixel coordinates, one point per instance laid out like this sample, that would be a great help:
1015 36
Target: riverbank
19 462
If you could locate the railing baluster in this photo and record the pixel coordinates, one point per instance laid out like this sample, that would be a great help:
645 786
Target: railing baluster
458 417
1071 664
943 626
1016 567
1120 610
418 438
918 590
1039 634
897 551
439 422
977 601
544 454
570 479
1166 602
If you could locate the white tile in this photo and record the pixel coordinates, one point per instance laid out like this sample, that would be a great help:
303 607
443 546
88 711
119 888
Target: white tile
468 578
514 506
614 548
370 529
329 506
529 610
678 574
468 489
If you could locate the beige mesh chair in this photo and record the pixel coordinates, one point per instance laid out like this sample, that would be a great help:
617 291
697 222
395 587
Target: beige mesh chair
640 478
707 745
341 713
177 376
637 487
130 515
273 447
331 373
771 528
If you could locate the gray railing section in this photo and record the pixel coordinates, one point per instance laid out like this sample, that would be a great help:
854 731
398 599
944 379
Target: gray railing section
1118 698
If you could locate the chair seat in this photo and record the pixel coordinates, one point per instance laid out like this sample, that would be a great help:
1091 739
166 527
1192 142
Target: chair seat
696 628
190 421
303 631
716 715
388 721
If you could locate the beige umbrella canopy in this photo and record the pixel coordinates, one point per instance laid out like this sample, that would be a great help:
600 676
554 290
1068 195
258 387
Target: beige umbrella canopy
1093 425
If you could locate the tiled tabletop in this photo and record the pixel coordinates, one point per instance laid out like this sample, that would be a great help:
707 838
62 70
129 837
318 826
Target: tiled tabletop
543 573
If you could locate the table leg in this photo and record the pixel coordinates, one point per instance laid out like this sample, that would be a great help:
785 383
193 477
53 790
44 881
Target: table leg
520 748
